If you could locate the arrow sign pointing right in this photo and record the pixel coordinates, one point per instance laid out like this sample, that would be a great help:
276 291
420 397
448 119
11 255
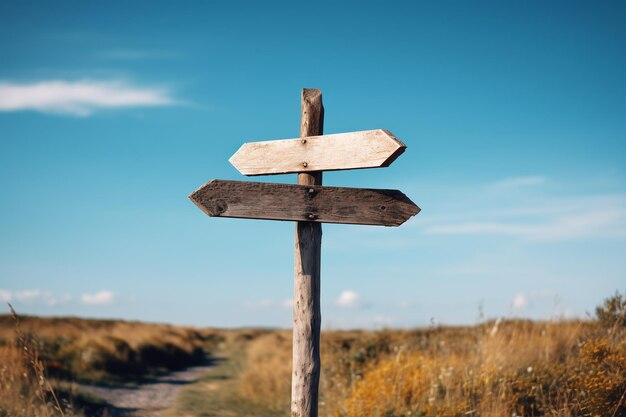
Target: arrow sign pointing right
367 149
258 200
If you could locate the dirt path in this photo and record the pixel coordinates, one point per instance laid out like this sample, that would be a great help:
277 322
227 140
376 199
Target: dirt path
146 400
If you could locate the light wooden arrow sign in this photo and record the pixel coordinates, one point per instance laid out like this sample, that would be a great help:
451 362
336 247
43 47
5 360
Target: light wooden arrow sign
269 201
367 149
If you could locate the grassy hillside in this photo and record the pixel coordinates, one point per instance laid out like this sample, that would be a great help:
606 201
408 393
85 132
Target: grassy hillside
499 368
39 356
107 350
509 368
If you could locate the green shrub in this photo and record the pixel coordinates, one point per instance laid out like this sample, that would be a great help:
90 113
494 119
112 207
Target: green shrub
612 313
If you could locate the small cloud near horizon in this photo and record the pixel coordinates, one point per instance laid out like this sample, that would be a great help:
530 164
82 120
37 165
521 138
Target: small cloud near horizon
349 299
34 296
5 296
98 298
520 301
78 98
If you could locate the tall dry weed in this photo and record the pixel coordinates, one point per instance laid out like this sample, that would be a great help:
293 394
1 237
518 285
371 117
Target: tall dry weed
25 389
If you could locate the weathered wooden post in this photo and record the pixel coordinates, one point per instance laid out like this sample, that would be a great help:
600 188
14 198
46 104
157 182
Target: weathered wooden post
309 204
305 374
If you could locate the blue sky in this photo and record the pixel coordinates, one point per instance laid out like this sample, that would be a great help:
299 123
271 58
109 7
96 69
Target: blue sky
112 113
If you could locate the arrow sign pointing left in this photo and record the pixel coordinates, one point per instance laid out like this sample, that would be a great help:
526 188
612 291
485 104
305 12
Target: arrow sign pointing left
258 200
366 149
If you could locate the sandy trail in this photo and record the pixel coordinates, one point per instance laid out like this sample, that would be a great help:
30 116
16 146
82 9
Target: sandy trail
146 400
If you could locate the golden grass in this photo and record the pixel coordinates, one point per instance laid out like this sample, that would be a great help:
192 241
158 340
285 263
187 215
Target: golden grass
39 356
513 368
25 389
266 377
19 388
107 350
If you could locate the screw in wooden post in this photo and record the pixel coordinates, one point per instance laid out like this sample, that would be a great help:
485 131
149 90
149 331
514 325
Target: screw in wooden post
306 307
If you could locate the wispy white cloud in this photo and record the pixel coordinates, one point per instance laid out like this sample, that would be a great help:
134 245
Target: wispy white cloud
5 296
349 299
533 216
37 296
124 54
98 298
58 299
517 182
78 98
610 222
27 295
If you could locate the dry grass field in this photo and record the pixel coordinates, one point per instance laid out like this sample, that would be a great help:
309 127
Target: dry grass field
509 368
497 368
41 358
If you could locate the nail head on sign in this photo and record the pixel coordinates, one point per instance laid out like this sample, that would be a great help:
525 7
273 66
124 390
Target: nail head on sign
304 164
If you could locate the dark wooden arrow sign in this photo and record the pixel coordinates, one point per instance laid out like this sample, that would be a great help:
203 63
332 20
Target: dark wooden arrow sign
269 201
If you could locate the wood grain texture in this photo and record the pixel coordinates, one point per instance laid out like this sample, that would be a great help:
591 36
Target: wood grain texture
307 317
354 150
269 201
311 124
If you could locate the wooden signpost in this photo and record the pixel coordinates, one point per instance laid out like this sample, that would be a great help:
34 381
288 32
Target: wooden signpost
309 204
